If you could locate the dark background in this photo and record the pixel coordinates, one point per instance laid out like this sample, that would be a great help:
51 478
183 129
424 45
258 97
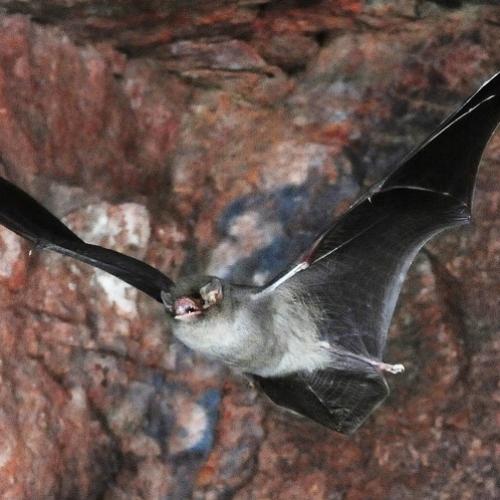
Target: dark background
222 136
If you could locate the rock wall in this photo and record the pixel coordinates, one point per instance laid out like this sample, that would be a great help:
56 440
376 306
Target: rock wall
220 135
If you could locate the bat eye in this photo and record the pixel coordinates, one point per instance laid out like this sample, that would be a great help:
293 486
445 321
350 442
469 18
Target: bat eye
211 293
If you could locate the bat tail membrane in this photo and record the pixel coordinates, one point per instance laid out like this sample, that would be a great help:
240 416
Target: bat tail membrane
22 214
448 161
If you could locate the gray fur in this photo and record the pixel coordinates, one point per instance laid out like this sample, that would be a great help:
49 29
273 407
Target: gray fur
263 334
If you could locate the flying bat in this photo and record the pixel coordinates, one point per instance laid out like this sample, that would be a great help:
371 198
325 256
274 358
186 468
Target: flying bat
313 337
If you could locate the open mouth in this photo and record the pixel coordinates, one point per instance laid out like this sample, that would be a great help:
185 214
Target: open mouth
187 315
186 308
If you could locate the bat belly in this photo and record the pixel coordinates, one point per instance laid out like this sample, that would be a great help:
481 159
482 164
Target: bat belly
296 333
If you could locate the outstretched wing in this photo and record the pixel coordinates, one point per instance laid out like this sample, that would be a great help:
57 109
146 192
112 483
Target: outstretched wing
25 216
353 273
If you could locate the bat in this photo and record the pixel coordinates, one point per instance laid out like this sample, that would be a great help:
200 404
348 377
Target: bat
313 337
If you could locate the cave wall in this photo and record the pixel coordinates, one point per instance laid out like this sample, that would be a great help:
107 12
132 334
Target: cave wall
219 136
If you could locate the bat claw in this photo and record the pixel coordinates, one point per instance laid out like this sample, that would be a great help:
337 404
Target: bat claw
394 369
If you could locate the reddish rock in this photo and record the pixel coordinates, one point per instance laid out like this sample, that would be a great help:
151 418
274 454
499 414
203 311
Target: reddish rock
220 136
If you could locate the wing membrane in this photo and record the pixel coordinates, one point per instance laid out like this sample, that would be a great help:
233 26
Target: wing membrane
356 286
356 268
336 399
25 216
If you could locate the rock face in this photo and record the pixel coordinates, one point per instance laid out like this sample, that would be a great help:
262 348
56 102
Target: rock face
221 135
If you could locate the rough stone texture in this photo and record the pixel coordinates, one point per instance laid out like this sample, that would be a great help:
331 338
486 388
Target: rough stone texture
222 135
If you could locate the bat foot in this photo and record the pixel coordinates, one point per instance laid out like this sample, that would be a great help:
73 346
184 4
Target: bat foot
394 369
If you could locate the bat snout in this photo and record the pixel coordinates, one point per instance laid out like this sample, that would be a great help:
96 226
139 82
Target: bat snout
187 308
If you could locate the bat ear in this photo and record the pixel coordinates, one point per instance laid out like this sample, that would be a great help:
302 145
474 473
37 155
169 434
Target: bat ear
168 300
211 293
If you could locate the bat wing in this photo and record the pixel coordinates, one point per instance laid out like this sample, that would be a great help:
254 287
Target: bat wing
339 400
352 275
22 214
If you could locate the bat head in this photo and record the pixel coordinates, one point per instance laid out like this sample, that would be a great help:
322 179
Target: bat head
194 298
